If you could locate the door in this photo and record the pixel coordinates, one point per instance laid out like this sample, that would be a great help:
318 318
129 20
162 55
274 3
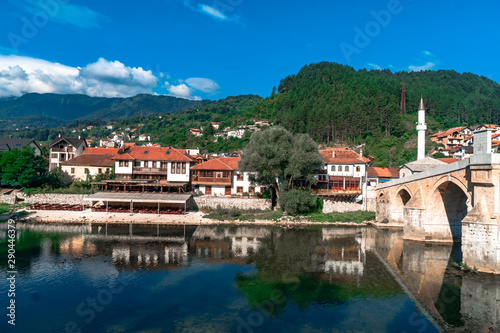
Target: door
208 189
228 190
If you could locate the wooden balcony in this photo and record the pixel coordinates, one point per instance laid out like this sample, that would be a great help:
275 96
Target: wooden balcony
211 180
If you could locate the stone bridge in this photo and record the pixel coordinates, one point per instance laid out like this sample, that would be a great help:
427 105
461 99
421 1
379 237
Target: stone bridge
458 202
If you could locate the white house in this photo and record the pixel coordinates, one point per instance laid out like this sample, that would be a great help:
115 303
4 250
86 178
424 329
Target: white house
220 176
145 137
63 149
167 165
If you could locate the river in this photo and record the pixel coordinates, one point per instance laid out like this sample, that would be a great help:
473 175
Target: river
239 279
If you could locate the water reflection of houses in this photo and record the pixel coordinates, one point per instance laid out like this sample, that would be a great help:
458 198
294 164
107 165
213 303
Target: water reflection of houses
214 242
342 252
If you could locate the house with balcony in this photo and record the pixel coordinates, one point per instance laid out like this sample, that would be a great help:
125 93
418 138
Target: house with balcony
64 149
343 175
151 168
220 176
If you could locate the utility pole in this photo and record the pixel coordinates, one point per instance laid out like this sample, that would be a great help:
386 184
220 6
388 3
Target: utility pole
403 98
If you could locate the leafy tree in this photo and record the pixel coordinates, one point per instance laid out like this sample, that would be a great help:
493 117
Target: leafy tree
279 158
23 167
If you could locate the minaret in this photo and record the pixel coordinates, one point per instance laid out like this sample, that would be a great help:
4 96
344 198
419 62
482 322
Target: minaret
421 127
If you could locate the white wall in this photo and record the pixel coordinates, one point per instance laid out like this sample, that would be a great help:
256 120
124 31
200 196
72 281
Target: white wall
245 183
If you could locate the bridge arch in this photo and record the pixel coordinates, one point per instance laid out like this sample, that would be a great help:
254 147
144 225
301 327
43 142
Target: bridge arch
447 206
403 195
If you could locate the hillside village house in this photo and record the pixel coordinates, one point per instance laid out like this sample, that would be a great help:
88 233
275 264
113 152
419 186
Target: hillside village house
7 144
343 176
108 143
220 176
63 149
145 137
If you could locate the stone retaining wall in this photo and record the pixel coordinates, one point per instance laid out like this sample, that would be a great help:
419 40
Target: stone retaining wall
227 202
339 206
10 199
53 198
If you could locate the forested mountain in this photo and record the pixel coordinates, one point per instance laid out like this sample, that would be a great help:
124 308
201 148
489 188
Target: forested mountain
335 103
51 110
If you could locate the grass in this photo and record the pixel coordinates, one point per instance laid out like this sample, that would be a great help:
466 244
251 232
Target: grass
73 188
231 214
356 216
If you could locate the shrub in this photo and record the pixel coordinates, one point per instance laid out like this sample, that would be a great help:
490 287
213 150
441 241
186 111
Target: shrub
298 202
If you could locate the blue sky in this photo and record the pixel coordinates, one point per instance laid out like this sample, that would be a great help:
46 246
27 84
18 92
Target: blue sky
217 48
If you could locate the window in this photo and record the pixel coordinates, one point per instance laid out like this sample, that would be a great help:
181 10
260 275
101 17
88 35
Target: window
210 174
86 171
53 155
164 165
333 168
239 176
251 189
340 167
72 170
218 174
99 171
203 173
183 171
358 169
137 164
225 174
239 189
346 168
123 164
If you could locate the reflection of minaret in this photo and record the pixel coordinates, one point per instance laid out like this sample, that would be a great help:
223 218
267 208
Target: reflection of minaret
421 127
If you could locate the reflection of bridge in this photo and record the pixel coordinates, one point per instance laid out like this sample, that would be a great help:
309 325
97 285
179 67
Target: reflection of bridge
421 267
456 202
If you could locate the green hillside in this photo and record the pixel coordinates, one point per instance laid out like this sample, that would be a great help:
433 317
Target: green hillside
337 104
51 110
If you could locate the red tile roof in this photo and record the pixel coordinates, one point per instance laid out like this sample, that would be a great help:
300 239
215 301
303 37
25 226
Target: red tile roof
221 163
383 172
448 160
342 156
143 153
449 131
103 160
100 150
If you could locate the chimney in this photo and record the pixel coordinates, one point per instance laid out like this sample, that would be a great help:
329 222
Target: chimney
59 135
79 137
361 153
333 153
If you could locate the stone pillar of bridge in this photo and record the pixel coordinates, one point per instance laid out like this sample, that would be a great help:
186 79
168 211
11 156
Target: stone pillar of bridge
415 217
480 228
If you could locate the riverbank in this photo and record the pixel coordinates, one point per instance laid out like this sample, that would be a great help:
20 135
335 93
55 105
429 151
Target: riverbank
191 218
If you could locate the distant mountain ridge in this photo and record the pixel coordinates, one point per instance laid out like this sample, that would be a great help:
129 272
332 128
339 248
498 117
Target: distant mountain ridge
52 110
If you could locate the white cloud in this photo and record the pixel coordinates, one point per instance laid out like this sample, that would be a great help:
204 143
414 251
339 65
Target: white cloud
375 66
203 84
427 66
64 13
427 53
20 75
212 12
181 90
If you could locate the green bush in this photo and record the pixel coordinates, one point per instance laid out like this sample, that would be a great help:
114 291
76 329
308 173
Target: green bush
298 202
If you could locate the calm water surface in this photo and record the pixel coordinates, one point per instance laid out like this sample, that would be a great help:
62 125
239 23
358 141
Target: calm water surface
239 279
